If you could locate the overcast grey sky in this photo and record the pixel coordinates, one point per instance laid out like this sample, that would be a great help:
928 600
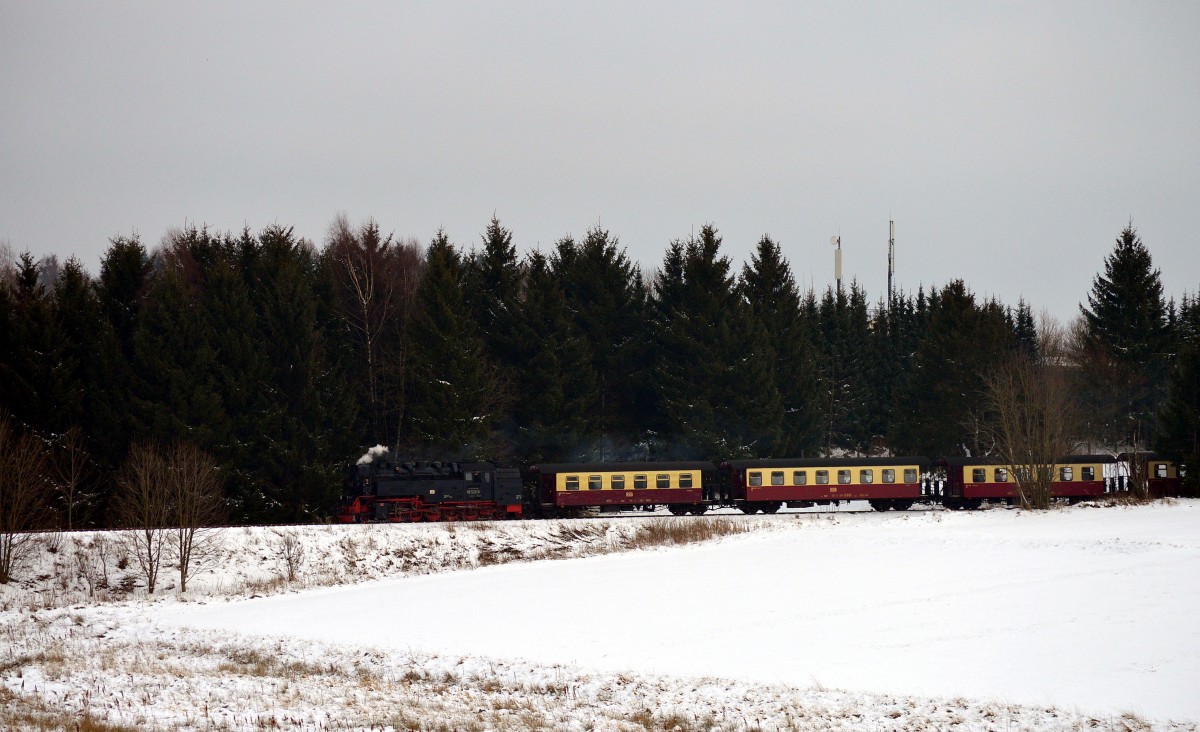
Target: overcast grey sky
1011 142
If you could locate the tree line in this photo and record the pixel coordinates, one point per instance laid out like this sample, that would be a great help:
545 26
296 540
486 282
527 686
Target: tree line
283 360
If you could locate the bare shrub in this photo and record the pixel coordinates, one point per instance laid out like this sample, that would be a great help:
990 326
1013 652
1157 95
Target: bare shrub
289 554
24 490
101 549
144 508
169 500
196 507
88 567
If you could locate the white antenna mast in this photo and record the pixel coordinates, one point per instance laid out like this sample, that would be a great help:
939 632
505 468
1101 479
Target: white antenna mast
836 241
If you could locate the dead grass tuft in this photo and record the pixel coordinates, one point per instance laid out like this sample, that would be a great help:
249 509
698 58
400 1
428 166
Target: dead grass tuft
674 531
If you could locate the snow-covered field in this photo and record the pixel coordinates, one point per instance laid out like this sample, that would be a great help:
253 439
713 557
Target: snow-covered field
1080 618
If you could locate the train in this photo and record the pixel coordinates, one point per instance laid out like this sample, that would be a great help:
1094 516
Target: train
383 490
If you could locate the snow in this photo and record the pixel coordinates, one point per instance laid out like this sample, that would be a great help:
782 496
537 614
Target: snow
1094 608
1075 618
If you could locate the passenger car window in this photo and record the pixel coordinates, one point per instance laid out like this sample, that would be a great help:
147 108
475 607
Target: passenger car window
1066 473
843 477
776 477
910 475
1087 473
572 482
685 480
1001 475
755 478
866 476
617 482
662 480
639 481
1160 470
978 475
595 482
889 475
799 477
822 477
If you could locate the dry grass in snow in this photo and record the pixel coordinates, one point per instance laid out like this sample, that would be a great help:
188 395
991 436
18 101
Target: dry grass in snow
107 674
97 567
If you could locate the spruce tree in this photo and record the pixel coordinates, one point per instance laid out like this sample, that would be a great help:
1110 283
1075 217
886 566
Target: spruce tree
455 393
230 333
39 388
307 425
1026 329
492 281
1126 341
607 299
124 273
715 370
1179 416
845 376
768 288
93 353
942 394
175 393
551 411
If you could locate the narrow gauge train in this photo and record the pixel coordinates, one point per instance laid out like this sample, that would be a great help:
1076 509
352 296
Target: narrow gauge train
386 491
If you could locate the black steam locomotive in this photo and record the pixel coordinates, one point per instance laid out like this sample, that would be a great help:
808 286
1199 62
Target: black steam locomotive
383 490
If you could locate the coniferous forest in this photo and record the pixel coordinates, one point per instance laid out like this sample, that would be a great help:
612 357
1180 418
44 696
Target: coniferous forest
284 360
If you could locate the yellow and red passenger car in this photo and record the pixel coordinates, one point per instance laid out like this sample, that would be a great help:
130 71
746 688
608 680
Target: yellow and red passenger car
972 480
567 488
765 485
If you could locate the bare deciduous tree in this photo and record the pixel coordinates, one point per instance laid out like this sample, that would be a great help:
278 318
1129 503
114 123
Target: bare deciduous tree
24 493
196 505
366 267
1033 416
74 473
144 508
